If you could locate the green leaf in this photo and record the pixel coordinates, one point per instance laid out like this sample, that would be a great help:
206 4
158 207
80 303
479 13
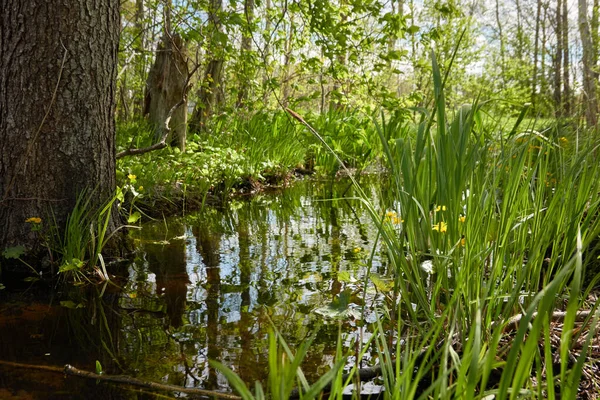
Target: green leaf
71 304
382 284
98 367
413 29
74 265
13 252
134 217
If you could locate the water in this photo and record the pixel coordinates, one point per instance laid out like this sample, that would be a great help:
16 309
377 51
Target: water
209 285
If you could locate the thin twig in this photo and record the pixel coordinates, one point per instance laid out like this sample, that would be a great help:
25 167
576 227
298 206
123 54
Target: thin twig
70 370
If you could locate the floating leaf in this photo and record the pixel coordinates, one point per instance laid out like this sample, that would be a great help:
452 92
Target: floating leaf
382 284
339 308
71 304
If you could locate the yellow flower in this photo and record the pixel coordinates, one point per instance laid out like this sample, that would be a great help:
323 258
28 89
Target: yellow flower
132 177
396 220
438 208
140 188
563 140
390 214
463 241
462 219
441 227
34 220
356 250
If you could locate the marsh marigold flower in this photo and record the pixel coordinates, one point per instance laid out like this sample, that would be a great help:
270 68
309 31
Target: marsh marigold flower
441 227
131 177
462 219
34 220
396 220
442 208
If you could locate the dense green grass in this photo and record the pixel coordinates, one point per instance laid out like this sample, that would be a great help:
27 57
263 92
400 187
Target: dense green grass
235 153
483 227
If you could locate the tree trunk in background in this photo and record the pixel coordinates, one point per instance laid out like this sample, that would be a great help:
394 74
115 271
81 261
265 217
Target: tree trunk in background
140 48
543 81
335 103
502 45
520 44
558 61
266 54
566 64
57 127
165 88
210 96
247 66
534 79
286 73
595 23
589 83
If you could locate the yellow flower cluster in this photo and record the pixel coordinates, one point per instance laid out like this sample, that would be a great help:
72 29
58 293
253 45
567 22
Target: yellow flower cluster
393 217
441 227
33 220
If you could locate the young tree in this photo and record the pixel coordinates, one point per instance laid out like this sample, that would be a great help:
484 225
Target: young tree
57 128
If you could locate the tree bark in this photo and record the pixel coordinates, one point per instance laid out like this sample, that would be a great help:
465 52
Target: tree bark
502 45
534 80
558 60
589 83
57 102
566 62
166 86
210 95
247 63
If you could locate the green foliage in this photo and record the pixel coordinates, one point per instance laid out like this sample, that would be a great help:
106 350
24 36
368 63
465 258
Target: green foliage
84 236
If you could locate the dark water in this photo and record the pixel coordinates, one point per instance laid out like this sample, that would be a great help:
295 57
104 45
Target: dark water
209 285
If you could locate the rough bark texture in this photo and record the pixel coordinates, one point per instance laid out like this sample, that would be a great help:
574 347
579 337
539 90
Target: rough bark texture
165 88
589 83
54 146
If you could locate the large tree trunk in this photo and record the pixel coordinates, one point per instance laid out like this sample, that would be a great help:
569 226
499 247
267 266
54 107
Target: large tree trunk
57 128
589 83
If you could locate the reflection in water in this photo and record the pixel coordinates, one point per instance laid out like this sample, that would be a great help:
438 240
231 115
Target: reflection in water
207 286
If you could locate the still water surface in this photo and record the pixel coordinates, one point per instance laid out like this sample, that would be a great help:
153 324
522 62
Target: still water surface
209 285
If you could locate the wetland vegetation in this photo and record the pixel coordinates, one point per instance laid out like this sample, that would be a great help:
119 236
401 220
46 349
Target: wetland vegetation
389 198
